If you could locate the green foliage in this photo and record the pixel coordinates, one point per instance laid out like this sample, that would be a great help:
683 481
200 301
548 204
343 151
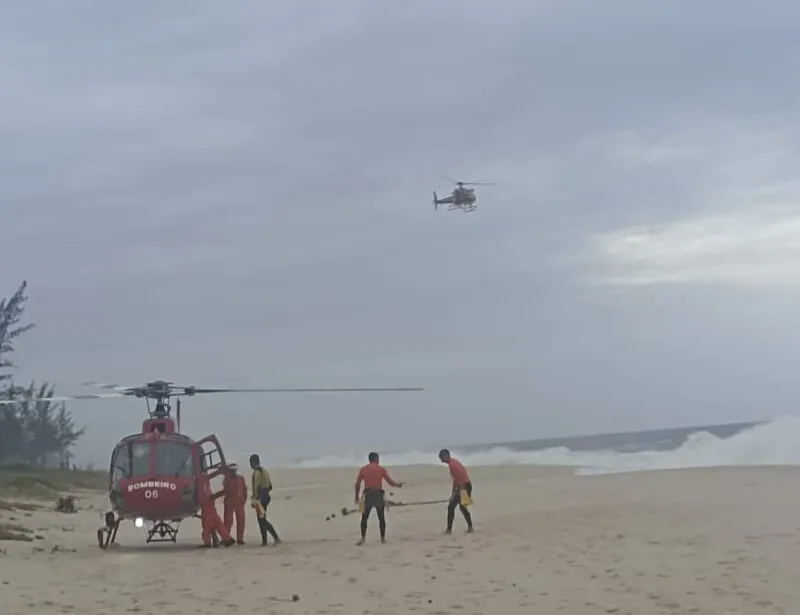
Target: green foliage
36 430
23 480
46 430
11 311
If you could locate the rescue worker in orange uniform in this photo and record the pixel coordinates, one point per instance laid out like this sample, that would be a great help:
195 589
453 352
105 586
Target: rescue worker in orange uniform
235 488
209 517
372 475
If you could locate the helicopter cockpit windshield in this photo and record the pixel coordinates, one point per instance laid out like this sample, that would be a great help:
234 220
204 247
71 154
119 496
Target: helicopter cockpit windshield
139 455
130 459
174 459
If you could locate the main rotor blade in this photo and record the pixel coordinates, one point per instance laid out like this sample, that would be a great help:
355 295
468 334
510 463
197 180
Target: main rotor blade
480 183
60 398
106 385
318 390
175 391
448 179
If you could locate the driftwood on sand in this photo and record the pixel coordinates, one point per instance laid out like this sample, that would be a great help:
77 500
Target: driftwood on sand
66 504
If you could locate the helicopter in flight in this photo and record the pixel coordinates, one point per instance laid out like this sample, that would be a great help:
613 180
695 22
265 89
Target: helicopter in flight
461 198
155 475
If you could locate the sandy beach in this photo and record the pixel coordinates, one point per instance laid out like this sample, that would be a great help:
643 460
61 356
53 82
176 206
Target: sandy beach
711 541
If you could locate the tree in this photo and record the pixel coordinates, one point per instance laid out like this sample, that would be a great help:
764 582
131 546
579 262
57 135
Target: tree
11 312
11 433
66 434
47 428
36 430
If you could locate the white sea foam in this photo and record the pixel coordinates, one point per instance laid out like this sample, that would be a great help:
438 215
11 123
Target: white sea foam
773 443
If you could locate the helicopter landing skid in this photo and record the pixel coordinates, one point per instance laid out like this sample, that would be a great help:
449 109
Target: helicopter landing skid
107 534
465 207
155 531
162 531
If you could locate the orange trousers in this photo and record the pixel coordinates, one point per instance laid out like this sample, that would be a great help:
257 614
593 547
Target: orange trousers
209 518
230 512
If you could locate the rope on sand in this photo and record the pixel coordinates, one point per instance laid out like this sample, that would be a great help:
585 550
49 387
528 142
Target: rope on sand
389 504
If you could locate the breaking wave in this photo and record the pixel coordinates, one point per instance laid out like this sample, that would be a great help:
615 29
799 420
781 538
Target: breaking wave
773 443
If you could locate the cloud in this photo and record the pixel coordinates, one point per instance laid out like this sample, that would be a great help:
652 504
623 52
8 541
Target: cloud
244 192
760 246
738 224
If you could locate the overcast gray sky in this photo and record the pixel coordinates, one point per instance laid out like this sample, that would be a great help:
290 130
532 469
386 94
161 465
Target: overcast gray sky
239 194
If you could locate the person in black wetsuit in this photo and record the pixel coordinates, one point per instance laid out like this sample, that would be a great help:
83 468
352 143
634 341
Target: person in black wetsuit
461 482
373 475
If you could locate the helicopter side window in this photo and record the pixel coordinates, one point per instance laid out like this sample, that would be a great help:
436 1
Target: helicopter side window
139 457
120 466
174 459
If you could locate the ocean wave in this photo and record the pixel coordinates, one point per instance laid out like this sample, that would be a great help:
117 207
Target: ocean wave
772 443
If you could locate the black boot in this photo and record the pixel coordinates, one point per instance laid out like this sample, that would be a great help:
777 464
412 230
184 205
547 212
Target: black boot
262 526
272 532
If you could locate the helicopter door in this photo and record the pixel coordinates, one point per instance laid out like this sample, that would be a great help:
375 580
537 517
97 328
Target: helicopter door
210 456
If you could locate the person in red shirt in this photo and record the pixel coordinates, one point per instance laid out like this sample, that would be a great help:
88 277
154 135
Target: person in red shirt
372 475
235 488
460 481
209 518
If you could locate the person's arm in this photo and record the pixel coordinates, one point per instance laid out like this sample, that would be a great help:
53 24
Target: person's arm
359 480
390 480
267 479
205 489
455 480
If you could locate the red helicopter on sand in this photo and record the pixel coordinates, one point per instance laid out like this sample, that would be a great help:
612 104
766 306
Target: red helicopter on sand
154 475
